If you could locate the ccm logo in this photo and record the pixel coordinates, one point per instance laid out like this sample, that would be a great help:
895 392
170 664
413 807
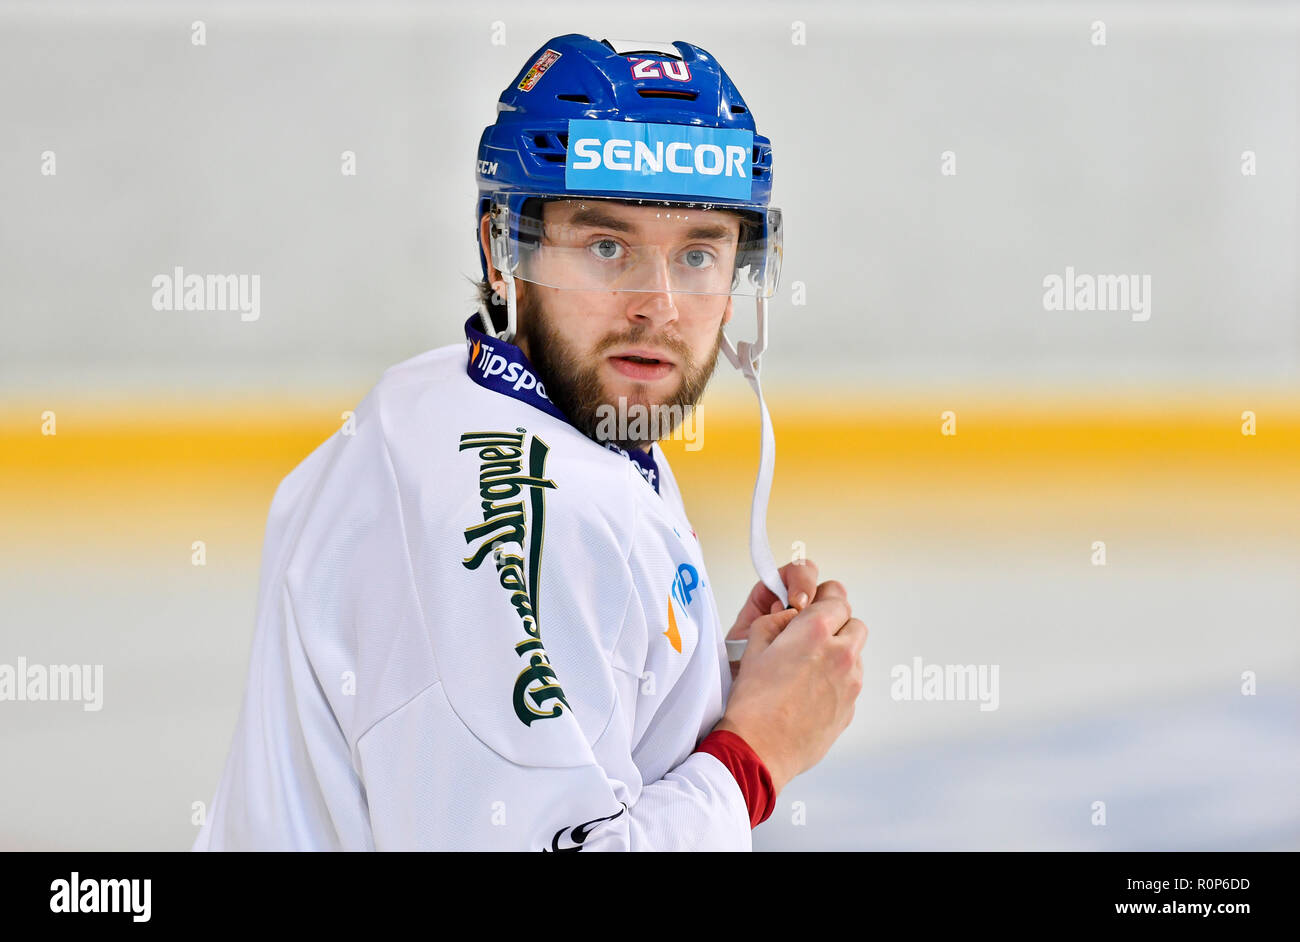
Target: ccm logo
616 154
487 167
653 69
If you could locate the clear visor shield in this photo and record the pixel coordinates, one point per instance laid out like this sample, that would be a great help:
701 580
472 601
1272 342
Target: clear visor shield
606 244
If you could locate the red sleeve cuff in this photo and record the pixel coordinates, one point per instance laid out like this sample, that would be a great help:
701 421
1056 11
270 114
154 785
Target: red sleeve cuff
746 768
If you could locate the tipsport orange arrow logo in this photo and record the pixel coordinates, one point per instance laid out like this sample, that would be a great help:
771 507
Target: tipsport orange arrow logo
672 634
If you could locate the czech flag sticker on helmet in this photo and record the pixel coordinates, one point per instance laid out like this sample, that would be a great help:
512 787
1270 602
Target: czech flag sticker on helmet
544 62
682 160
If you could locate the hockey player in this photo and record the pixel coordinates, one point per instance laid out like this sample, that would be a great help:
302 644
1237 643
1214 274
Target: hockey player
484 620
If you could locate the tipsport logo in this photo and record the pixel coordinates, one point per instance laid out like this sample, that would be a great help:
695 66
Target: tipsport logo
631 156
491 364
685 582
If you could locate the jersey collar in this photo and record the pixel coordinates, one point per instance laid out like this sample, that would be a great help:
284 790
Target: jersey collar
502 367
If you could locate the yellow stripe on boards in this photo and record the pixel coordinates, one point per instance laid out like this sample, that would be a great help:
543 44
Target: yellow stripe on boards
139 465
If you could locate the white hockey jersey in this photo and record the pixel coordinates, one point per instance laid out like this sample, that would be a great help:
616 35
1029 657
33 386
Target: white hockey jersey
478 628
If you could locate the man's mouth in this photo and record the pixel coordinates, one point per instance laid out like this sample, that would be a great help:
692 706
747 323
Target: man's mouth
635 366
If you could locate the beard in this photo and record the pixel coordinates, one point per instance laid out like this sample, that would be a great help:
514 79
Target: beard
573 381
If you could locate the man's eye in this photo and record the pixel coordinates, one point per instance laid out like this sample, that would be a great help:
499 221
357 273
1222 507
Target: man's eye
698 258
606 249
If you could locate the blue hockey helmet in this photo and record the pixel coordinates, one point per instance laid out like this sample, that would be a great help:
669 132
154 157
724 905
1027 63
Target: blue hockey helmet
634 121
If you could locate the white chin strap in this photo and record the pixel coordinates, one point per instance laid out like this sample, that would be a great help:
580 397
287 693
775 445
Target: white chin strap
746 359
507 335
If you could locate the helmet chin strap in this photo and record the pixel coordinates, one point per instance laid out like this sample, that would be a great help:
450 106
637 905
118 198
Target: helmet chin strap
507 335
499 246
746 359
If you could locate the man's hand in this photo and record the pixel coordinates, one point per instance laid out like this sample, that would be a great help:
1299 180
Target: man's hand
797 684
800 580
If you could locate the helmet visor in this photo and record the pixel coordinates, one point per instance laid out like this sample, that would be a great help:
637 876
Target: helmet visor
586 243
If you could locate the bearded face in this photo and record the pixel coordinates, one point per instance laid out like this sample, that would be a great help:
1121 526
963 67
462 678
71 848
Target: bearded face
582 377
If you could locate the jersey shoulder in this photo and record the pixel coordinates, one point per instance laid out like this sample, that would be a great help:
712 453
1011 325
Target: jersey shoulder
433 419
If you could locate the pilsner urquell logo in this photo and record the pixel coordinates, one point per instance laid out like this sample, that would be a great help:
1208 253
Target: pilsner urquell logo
502 485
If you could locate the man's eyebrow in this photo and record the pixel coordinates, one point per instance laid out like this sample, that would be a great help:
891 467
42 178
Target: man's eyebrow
599 219
710 233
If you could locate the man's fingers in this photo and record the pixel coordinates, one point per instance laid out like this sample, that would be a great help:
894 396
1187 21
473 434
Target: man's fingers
800 578
740 630
800 581
759 603
824 617
831 588
855 630
764 630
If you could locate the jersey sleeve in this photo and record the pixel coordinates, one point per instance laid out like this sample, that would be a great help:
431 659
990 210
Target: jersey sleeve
524 739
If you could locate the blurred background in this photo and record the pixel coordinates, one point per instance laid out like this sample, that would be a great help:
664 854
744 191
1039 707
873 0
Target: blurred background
1106 138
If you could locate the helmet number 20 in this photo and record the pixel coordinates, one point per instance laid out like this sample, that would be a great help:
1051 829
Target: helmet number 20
650 69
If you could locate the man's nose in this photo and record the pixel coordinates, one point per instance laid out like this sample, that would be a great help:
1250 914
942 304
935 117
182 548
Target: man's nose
653 298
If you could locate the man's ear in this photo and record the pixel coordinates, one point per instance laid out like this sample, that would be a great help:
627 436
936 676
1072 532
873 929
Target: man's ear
485 242
726 315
